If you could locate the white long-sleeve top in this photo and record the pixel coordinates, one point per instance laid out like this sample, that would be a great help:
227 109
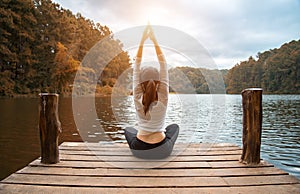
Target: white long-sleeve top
154 120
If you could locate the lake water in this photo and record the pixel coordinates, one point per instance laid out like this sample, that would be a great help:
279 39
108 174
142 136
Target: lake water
202 118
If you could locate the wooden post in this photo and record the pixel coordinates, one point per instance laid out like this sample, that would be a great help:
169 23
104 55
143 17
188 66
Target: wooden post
252 122
49 127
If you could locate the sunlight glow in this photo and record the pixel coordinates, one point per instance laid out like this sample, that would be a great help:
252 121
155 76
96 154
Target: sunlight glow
155 15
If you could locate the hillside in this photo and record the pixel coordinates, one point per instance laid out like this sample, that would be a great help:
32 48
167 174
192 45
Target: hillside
194 80
277 71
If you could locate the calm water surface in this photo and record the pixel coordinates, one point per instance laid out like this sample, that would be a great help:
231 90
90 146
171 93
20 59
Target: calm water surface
202 118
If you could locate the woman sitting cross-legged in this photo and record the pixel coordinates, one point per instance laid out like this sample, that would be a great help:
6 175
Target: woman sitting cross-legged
150 139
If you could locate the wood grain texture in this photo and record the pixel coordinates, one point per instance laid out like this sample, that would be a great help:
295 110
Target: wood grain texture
79 171
49 127
252 124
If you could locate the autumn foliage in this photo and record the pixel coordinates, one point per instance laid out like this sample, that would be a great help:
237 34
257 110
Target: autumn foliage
43 44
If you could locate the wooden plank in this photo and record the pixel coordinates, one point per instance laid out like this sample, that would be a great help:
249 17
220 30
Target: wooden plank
166 164
274 189
15 188
121 149
132 158
73 180
153 172
101 164
237 164
105 144
261 180
127 152
125 147
199 169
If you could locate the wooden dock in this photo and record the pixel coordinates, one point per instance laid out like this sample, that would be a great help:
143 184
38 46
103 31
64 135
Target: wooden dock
110 168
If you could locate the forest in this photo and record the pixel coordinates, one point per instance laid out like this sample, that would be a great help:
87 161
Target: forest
277 71
42 46
199 80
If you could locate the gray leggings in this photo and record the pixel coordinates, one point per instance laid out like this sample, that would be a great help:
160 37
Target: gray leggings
145 150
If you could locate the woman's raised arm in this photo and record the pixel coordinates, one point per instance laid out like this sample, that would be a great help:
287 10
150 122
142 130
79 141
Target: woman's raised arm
163 72
138 59
160 56
153 38
141 45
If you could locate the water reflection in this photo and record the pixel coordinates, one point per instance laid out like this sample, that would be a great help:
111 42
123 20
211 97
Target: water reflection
280 134
201 119
114 116
281 131
18 134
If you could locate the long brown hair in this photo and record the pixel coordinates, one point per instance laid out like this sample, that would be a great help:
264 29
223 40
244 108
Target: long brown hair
149 93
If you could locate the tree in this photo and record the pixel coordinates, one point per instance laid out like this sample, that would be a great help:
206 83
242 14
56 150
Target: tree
17 36
64 72
6 84
276 71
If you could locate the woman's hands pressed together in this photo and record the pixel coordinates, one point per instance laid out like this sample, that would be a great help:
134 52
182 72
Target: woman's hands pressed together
145 35
148 33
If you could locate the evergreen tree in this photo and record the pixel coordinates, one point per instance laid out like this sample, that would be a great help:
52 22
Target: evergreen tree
17 37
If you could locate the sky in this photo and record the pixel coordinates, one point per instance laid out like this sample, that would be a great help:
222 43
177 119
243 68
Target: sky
230 30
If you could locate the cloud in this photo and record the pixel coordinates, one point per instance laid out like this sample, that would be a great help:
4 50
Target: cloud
231 30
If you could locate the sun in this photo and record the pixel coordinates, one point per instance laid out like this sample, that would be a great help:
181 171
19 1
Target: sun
155 15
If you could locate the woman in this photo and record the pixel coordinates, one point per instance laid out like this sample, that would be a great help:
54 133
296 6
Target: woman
150 140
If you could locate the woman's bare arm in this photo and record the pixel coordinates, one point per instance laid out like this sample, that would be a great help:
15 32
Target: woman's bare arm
137 65
141 45
156 45
164 76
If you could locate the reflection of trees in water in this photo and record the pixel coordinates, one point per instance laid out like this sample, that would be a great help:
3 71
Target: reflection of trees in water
114 115
69 129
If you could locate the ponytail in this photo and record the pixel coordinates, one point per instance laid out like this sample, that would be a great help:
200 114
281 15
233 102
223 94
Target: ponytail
150 94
